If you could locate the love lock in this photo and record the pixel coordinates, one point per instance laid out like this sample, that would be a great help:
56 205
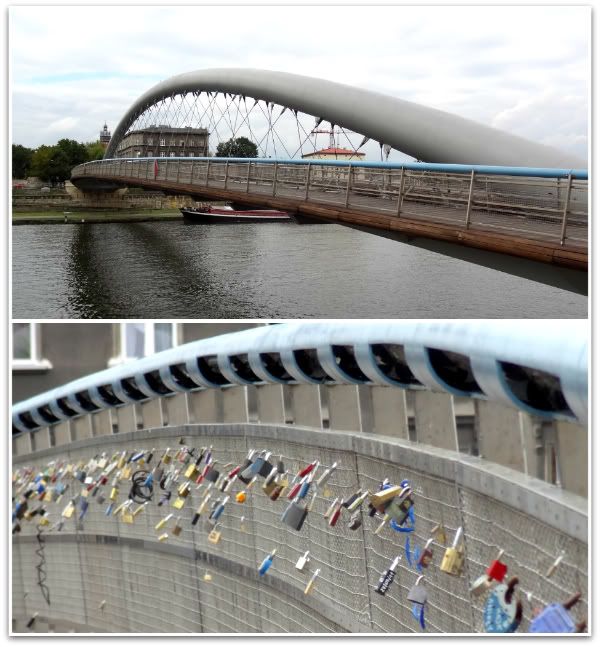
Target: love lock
555 618
503 612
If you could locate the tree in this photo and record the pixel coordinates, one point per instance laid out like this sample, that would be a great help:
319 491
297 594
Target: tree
21 160
95 151
237 147
75 152
51 164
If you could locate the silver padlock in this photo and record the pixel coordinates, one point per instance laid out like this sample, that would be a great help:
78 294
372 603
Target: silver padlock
303 561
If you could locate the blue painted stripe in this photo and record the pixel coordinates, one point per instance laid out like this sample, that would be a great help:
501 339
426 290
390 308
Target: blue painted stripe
521 171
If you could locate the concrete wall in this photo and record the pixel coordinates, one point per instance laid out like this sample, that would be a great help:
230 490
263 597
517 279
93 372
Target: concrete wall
154 587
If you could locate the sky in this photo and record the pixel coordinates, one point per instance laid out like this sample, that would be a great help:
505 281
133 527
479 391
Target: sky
521 69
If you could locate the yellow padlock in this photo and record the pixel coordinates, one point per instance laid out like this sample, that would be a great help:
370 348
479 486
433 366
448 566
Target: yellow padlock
69 510
178 503
214 536
311 582
164 536
240 497
44 521
166 459
114 493
454 557
191 472
163 522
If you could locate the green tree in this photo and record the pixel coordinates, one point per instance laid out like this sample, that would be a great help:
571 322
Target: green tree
95 151
75 152
51 164
237 147
21 161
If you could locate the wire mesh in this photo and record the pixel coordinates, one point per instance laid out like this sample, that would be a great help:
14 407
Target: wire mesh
145 590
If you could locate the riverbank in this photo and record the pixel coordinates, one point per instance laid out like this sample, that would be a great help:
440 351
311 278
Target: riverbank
82 217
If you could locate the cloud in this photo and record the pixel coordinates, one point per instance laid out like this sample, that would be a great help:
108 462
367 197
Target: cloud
496 65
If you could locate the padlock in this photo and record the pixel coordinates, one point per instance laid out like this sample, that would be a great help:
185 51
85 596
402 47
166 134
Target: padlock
426 555
310 584
212 474
351 499
305 471
270 482
214 536
267 562
247 462
418 593
114 493
163 522
150 456
331 508
102 605
555 618
439 533
387 577
240 497
176 529
355 521
126 515
119 508
166 457
31 621
452 562
303 561
191 472
184 489
481 585
497 570
295 489
503 611
383 524
335 515
179 503
295 515
218 511
358 501
550 572
278 490
67 513
165 498
139 509
280 465
207 577
83 509
322 480
163 537
379 499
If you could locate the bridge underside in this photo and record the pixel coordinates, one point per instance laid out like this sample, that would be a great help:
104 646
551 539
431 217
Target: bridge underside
541 261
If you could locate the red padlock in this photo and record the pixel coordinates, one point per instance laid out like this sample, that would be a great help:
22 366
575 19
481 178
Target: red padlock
336 515
497 570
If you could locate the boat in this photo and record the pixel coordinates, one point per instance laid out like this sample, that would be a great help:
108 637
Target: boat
207 214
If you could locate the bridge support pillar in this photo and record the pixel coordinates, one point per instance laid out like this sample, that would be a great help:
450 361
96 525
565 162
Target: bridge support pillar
573 457
435 421
152 415
81 428
40 439
270 405
344 407
102 423
126 418
176 409
235 404
389 412
203 406
22 444
306 405
62 433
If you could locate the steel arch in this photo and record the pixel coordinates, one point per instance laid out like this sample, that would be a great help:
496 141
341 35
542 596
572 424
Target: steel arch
427 134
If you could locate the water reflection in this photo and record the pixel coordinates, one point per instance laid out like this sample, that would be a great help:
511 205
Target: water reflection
172 270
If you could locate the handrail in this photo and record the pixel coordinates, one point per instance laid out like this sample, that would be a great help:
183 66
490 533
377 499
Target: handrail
513 171
538 368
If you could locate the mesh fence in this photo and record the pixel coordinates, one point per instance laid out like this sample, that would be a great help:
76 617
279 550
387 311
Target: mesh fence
146 590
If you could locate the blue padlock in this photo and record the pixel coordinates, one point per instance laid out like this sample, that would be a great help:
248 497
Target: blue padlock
503 612
266 563
555 619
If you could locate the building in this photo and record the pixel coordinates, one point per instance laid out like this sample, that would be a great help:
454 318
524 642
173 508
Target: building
164 141
105 136
335 154
48 355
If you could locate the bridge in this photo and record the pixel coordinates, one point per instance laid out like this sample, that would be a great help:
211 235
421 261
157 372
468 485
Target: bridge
477 193
336 393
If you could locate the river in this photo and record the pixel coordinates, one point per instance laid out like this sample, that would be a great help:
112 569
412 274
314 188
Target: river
154 270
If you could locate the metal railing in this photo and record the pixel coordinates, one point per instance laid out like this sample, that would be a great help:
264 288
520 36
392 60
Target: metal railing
543 204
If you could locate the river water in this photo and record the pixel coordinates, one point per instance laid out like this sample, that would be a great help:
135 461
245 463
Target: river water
279 270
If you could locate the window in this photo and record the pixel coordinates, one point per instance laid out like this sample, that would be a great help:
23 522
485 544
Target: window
149 141
27 348
172 154
162 141
162 153
172 142
191 142
138 340
182 142
149 153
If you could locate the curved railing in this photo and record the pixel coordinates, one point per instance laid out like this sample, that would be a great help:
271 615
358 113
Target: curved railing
541 369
